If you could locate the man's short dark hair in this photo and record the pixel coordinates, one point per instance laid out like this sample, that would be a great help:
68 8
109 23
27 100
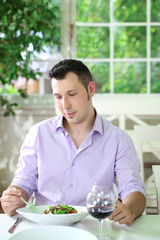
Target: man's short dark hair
61 69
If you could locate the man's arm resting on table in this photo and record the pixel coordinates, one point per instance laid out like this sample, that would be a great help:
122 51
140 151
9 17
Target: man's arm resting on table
10 199
131 208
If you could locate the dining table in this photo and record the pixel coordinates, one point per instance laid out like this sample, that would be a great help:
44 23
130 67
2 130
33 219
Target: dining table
145 227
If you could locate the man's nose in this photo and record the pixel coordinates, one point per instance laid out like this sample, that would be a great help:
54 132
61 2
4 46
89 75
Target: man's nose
66 103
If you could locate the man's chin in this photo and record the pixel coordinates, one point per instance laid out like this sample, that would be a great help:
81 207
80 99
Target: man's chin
71 120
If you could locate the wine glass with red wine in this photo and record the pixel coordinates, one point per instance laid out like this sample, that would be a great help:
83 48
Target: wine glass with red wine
100 204
99 188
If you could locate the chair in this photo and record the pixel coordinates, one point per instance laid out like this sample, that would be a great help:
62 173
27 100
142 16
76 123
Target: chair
156 174
148 141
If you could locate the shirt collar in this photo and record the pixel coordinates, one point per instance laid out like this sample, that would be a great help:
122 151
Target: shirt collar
60 125
98 126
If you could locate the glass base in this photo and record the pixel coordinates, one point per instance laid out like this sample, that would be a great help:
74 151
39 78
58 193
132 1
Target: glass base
107 237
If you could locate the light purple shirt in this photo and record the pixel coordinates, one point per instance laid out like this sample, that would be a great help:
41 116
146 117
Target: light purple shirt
51 166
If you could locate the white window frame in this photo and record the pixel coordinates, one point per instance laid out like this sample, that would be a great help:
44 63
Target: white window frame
68 33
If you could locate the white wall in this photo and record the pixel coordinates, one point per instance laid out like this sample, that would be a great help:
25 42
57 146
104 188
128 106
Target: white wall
13 130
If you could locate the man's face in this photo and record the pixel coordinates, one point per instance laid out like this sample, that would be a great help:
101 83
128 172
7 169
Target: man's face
71 98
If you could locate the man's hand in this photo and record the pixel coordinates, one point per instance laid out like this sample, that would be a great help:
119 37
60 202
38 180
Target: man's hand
132 207
10 200
121 214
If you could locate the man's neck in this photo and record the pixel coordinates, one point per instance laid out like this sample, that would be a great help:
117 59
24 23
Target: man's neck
80 131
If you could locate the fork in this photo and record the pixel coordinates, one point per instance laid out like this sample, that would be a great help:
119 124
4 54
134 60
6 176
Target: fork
31 206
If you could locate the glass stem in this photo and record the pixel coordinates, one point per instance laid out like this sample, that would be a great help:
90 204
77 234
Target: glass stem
100 229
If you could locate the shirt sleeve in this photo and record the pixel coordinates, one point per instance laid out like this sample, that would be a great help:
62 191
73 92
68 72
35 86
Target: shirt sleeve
127 167
27 173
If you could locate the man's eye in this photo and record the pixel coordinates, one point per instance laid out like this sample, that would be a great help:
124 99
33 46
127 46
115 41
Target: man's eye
58 97
72 94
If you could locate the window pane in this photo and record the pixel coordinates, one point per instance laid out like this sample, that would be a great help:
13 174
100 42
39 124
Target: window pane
130 78
155 41
155 77
130 10
92 11
92 42
130 42
155 11
100 73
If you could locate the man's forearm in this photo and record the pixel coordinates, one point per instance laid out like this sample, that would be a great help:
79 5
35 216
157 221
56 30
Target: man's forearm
136 203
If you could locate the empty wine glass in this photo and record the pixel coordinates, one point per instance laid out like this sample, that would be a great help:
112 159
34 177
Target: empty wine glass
100 204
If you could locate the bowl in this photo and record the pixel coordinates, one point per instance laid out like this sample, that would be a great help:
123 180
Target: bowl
54 232
54 219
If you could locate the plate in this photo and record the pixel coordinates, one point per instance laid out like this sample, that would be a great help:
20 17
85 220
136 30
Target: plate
54 219
54 232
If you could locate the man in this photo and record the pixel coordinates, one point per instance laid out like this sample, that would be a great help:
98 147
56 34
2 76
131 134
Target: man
61 158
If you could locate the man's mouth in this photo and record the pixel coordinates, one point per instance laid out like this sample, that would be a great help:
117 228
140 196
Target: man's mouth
70 114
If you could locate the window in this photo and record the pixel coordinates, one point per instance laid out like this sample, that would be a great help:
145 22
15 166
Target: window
118 40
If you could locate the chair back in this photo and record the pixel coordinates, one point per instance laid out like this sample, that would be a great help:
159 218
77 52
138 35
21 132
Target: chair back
156 174
147 140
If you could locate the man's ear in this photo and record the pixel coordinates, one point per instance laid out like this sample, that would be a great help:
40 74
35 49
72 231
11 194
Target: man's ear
91 88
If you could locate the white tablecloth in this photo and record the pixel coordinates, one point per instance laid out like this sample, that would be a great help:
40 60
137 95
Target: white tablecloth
146 227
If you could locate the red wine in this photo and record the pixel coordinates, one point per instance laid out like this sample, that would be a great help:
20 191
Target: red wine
100 212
